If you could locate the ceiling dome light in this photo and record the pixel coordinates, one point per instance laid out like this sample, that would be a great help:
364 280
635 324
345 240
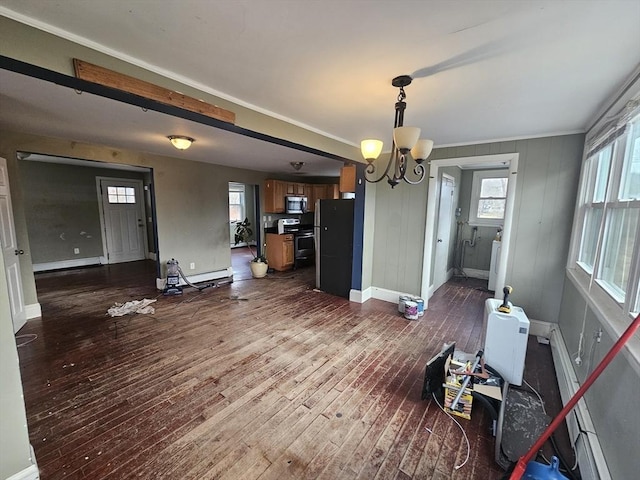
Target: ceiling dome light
180 142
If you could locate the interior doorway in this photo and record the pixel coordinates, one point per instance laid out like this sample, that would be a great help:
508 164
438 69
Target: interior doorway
443 235
243 204
507 160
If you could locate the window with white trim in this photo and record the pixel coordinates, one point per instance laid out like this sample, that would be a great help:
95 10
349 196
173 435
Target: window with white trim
609 247
236 202
488 197
121 194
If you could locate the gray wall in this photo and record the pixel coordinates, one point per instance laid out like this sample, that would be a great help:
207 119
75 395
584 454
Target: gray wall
14 437
398 236
548 174
613 398
62 209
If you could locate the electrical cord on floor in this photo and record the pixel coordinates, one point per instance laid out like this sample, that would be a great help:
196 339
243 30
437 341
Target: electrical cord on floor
457 467
29 336
567 469
537 394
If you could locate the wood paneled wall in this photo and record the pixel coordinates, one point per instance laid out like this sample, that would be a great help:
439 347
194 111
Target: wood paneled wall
549 170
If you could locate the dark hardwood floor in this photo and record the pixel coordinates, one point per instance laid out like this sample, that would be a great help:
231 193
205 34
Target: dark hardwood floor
262 378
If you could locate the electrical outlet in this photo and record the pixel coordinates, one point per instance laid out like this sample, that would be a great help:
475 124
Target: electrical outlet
76 251
598 335
192 266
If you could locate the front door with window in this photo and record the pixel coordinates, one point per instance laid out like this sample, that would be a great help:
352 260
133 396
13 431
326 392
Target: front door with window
123 213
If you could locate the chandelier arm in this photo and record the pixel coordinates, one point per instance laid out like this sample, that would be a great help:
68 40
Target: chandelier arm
371 168
399 159
420 171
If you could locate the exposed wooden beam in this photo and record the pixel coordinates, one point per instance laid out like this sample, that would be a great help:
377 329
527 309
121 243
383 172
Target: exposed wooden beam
109 78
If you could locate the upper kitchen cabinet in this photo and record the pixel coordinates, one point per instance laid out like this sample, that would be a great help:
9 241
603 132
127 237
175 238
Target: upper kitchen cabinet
295 188
276 190
348 178
274 193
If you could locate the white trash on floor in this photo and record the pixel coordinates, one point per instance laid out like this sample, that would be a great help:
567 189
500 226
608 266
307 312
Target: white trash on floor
134 306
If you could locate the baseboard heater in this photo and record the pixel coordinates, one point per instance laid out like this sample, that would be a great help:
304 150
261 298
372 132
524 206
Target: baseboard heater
593 465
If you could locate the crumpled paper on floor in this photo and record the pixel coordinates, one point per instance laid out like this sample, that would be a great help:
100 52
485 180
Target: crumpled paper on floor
134 306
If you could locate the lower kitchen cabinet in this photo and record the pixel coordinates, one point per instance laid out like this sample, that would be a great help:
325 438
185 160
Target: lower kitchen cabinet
280 254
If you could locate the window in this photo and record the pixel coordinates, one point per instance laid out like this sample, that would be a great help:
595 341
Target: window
236 202
608 250
121 195
488 197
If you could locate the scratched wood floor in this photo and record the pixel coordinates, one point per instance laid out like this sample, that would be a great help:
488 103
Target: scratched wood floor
259 379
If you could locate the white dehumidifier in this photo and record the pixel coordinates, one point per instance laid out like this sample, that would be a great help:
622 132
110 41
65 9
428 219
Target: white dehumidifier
505 340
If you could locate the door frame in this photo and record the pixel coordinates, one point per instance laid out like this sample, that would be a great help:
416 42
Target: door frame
437 224
18 311
104 259
503 160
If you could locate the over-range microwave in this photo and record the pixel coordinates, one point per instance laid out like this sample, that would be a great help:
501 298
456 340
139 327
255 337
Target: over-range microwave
295 204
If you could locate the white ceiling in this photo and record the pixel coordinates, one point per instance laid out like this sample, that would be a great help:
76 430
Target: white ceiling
483 70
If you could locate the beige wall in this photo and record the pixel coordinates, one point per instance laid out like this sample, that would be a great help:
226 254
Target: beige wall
191 200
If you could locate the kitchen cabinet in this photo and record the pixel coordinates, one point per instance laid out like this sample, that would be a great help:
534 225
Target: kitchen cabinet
348 178
276 190
295 188
274 193
333 191
280 251
316 192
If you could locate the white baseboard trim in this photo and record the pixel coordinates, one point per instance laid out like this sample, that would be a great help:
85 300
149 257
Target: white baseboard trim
198 278
540 328
152 256
80 262
390 296
33 310
359 296
29 473
591 460
473 273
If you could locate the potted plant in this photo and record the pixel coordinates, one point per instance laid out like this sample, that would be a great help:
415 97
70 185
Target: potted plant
243 234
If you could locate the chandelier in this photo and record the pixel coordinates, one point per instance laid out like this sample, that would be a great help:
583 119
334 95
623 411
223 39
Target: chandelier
405 145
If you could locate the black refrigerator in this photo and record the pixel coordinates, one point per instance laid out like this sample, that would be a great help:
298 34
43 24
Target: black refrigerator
333 230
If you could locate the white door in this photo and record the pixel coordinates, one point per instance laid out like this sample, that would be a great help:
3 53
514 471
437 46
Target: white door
445 220
11 252
123 215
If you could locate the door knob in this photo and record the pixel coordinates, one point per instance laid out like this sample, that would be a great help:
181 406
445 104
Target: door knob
19 252
439 240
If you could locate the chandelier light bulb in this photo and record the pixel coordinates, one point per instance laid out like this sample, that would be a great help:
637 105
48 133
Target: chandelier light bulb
371 149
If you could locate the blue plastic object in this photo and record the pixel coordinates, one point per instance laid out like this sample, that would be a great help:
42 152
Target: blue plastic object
538 471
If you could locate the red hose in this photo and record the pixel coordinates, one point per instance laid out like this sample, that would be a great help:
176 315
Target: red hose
521 466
